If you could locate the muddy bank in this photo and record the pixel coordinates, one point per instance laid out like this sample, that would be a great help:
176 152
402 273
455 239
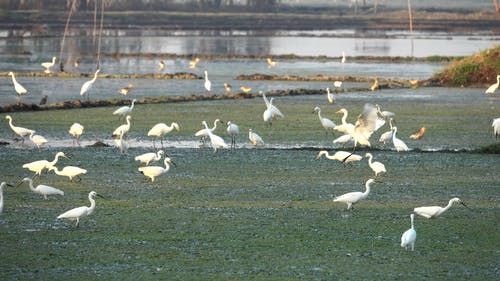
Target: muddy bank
166 76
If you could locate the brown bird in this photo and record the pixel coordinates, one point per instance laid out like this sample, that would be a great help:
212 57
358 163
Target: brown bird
228 87
194 63
162 65
418 134
126 90
270 62
375 85
245 89
43 101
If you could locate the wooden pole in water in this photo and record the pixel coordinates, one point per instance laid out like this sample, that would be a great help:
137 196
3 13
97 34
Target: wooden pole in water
100 36
71 8
411 26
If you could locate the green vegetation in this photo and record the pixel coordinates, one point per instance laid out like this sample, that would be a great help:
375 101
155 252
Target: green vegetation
477 70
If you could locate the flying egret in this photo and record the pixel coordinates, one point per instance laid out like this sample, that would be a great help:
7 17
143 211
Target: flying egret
20 131
340 156
325 122
270 63
69 171
228 88
76 130
37 139
398 144
149 157
208 84
215 140
42 189
2 186
48 65
122 130
435 211
161 64
245 90
418 134
194 63
39 165
374 86
20 90
490 90
408 238
203 133
161 129
80 212
387 136
376 167
155 171
233 130
254 138
496 127
125 110
124 91
352 198
329 96
85 90
367 123
343 57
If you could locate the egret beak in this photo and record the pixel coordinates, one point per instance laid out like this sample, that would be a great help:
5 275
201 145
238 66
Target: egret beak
11 185
461 202
338 112
378 181
173 163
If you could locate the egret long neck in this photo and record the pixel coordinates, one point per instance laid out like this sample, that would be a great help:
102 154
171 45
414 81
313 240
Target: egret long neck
92 205
30 183
55 160
14 79
411 219
394 134
319 114
95 76
370 160
344 118
367 189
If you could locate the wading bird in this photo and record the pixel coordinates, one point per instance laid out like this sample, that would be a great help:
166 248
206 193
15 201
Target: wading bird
367 123
122 130
76 130
344 139
496 127
161 65
490 90
435 211
208 84
215 140
343 57
329 96
194 63
398 144
271 112
161 129
203 133
2 186
376 167
80 212
124 91
352 198
155 171
48 65
69 171
245 90
149 157
270 63
85 90
327 124
125 110
122 144
374 86
228 88
254 138
233 130
408 238
385 114
341 156
20 131
20 90
39 165
387 136
337 84
42 189
418 134
37 139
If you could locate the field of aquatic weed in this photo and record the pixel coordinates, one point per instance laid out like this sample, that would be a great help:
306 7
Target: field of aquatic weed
259 214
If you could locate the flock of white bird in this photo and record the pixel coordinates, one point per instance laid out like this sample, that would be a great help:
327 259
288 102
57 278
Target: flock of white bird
369 121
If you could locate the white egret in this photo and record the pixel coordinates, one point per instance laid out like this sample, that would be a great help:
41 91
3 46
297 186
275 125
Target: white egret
327 124
161 64
42 189
343 57
496 127
2 186
124 91
215 140
39 165
80 212
337 84
245 90
270 63
37 139
20 90
418 134
254 138
435 211
149 157
494 87
385 114
354 197
208 84
375 85
20 131
48 65
398 144
122 144
125 110
344 139
228 88
203 133
194 63
376 167
387 136
233 130
76 130
367 123
69 171
161 129
85 90
271 112
155 171
408 238
340 156
329 96
122 130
